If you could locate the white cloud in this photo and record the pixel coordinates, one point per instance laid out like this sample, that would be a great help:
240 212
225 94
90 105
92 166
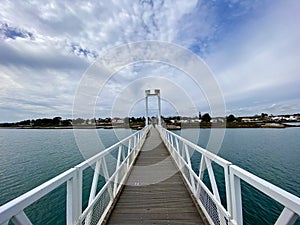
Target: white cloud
253 52
263 64
278 108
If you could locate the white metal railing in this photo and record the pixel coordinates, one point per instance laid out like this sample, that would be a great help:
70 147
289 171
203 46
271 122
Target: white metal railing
99 202
181 150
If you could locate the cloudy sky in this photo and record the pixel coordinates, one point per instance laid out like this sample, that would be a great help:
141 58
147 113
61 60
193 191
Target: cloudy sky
251 46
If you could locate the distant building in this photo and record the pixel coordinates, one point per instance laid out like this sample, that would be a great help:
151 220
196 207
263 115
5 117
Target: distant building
247 120
117 121
217 120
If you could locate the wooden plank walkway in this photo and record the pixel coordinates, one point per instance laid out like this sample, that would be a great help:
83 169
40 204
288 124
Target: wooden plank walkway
154 192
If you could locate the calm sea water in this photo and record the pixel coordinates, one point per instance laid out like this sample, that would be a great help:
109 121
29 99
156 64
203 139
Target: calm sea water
30 157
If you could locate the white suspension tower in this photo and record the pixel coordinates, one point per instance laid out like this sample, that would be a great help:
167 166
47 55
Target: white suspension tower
150 93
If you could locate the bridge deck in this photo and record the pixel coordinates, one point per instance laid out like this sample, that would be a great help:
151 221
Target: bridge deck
154 192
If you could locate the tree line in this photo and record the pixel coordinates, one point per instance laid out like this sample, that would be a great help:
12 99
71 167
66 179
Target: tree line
204 119
44 122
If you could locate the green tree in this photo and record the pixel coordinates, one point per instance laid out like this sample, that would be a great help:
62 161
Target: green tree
231 118
66 123
206 118
56 120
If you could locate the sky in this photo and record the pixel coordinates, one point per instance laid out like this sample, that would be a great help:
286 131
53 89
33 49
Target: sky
250 46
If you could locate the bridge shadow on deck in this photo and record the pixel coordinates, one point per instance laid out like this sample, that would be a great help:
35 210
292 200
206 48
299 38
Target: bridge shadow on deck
154 192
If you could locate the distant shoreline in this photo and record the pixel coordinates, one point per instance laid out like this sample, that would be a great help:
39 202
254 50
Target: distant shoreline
169 127
67 127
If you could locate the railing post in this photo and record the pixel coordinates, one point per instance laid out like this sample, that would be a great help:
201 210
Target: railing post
212 178
175 154
166 139
100 163
134 144
181 157
128 153
117 167
78 208
202 167
169 141
138 138
70 184
138 141
177 144
188 158
74 197
236 195
94 182
21 219
227 189
172 144
106 176
287 217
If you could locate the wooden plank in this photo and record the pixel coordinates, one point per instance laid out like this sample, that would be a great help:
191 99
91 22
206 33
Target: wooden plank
154 192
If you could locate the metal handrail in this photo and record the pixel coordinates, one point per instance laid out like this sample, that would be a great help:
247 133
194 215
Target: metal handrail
14 210
291 202
17 205
209 201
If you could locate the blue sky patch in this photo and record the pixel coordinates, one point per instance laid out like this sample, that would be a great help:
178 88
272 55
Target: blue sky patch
13 32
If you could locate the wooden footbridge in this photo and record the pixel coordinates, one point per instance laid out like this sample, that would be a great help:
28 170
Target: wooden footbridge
155 194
